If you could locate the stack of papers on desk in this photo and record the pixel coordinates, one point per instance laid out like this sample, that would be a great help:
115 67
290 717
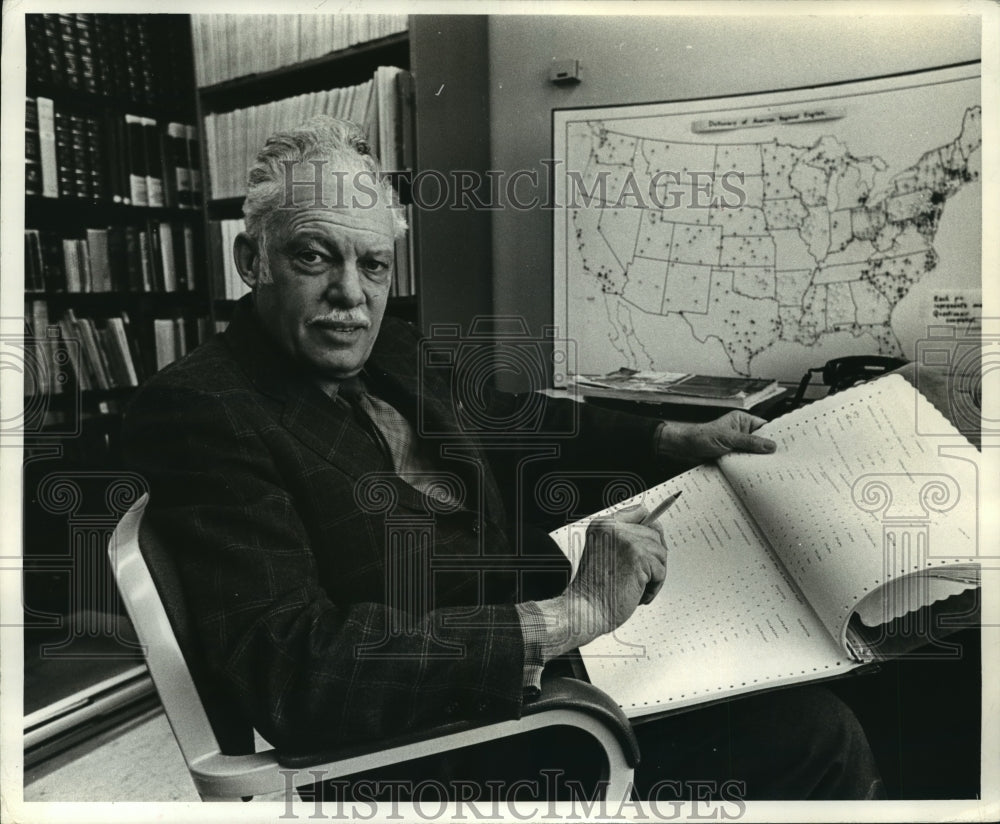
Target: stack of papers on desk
678 388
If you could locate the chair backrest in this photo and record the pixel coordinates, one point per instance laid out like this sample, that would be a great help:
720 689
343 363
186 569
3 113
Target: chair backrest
167 665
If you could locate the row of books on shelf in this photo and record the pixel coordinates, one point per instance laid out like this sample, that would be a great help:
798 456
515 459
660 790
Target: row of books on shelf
156 256
228 285
76 352
235 45
114 158
137 57
382 105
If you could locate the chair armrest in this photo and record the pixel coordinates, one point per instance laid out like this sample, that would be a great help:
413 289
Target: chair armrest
557 694
570 693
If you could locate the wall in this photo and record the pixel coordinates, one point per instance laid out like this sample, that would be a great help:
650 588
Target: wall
632 60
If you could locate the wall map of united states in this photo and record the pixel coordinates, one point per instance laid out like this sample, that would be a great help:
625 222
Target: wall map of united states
767 233
778 242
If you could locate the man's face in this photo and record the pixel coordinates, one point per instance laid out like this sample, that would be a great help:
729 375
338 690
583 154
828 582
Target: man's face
330 273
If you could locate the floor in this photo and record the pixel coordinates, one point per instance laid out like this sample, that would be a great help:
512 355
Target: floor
142 763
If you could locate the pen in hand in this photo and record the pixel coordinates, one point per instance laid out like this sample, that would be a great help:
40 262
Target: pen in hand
659 509
649 520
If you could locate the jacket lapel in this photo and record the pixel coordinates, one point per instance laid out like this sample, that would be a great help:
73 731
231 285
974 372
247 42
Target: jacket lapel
393 371
332 432
326 427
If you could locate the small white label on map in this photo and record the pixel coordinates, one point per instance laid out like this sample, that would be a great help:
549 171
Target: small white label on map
783 118
959 308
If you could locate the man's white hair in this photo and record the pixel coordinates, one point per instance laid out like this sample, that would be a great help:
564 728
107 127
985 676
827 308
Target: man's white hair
320 138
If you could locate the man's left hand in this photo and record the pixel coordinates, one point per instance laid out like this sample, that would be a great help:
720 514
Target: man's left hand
705 441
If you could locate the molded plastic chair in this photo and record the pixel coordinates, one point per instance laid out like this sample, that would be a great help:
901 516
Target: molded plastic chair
217 776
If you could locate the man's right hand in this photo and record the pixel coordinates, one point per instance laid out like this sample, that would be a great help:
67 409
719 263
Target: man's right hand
624 564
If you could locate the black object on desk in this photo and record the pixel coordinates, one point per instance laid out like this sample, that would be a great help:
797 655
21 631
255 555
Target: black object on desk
843 373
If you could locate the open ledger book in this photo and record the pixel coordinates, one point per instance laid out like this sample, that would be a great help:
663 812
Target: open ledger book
802 564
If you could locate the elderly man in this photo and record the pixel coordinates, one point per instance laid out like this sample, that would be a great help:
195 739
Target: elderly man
267 451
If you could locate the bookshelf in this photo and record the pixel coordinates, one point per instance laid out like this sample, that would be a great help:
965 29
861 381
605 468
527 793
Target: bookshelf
115 287
113 236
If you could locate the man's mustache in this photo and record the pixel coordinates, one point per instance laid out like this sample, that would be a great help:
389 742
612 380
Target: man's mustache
341 319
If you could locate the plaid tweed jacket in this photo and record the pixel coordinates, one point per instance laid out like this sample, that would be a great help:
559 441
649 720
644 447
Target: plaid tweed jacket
331 601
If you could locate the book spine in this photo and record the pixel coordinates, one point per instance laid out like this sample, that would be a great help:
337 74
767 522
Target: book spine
93 141
89 366
115 160
71 338
85 51
180 337
37 68
217 268
66 170
179 256
67 46
48 347
100 259
117 328
135 136
164 151
406 97
54 270
117 259
177 152
78 157
166 345
133 57
32 150
86 273
111 356
156 258
138 361
71 265
133 260
91 346
190 257
38 314
146 75
47 147
146 260
153 163
104 51
54 66
33 265
194 162
168 261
